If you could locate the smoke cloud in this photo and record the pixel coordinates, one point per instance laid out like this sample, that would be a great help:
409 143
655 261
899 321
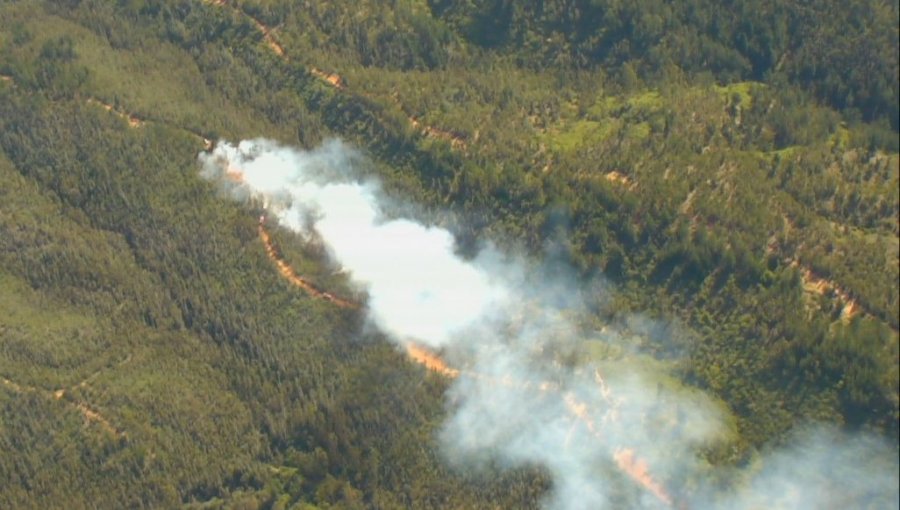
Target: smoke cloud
611 434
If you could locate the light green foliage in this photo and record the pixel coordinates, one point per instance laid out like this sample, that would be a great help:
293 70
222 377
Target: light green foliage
124 271
581 133
60 340
646 103
740 93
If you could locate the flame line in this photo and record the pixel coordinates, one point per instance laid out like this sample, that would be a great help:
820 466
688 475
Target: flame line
625 458
290 275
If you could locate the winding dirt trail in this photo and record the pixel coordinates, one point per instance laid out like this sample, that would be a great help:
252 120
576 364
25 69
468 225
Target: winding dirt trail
60 393
456 141
270 41
330 78
625 458
133 121
15 387
91 415
619 177
334 80
815 285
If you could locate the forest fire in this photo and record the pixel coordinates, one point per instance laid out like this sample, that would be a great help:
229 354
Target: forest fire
625 458
290 275
637 469
234 174
429 360
578 411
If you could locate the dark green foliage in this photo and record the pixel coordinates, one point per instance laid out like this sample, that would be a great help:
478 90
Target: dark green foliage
845 53
597 128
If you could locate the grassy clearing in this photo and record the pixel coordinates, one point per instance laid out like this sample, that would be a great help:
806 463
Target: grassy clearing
742 91
606 117
581 133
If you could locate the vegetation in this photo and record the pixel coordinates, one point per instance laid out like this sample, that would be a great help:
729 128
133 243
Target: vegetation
732 170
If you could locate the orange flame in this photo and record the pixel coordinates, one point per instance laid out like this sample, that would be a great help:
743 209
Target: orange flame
638 471
288 272
579 410
625 457
430 360
236 175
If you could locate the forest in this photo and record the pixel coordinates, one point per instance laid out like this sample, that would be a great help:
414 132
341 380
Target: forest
730 168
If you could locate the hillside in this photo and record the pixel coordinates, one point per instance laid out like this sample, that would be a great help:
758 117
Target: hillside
725 175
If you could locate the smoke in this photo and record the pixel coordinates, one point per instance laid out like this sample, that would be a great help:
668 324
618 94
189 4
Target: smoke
612 434
822 469
417 287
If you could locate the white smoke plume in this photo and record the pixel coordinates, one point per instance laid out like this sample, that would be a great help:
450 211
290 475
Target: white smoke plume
608 435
